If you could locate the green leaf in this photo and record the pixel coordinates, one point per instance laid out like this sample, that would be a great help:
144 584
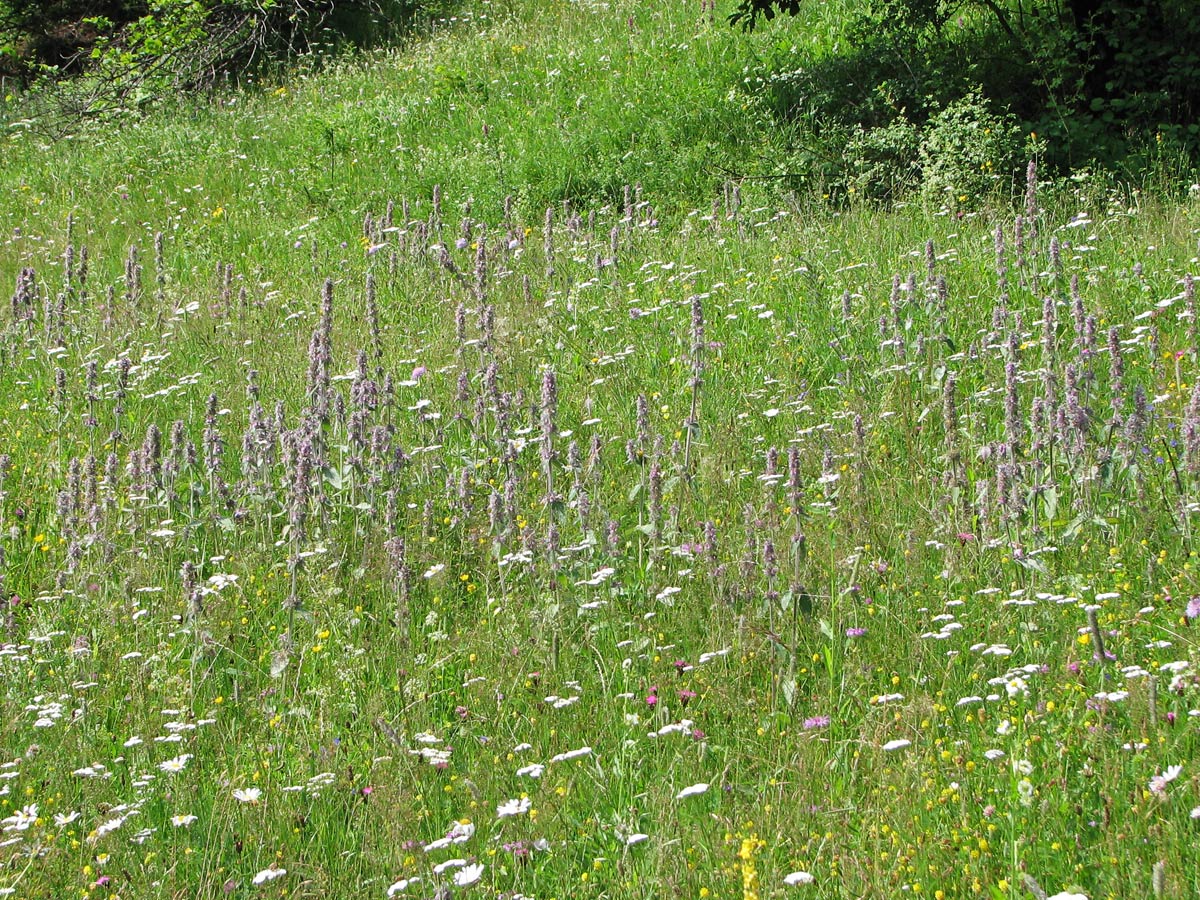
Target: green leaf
789 691
1050 498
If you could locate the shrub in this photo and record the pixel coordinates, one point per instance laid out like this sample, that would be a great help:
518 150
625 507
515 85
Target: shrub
883 163
1099 80
968 151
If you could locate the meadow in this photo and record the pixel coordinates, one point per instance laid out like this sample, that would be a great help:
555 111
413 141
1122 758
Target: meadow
379 520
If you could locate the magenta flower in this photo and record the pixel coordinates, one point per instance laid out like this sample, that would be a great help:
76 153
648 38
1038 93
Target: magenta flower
816 722
855 632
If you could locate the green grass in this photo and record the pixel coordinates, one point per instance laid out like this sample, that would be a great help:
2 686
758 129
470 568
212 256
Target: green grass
817 620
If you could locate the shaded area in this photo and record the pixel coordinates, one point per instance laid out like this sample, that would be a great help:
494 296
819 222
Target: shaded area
1109 83
62 35
76 60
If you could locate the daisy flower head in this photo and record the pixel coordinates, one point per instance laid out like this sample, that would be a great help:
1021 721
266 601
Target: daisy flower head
794 878
468 875
402 885
247 795
178 764
512 808
1158 784
21 819
269 875
571 754
183 821
459 833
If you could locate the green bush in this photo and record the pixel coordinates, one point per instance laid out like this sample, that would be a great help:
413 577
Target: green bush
1110 92
968 152
883 163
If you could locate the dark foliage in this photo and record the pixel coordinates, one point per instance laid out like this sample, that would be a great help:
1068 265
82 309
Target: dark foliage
88 59
69 36
1108 82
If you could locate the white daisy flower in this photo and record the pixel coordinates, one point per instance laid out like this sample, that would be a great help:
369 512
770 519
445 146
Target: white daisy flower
468 875
513 808
268 875
178 764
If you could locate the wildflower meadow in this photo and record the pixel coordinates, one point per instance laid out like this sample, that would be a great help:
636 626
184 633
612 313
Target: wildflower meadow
418 544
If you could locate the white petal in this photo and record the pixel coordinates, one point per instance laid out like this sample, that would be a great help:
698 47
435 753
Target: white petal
798 878
269 875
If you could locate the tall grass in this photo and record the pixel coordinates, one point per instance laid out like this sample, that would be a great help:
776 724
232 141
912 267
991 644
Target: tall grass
635 546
